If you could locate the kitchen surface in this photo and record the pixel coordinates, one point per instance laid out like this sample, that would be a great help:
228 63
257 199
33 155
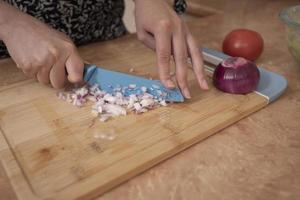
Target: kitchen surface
256 158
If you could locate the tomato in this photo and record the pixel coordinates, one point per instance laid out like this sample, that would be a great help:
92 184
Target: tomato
243 43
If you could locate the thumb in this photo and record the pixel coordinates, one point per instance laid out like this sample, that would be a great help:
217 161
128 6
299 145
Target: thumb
74 67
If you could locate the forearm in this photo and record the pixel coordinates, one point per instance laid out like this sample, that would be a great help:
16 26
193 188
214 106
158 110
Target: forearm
7 15
179 6
170 2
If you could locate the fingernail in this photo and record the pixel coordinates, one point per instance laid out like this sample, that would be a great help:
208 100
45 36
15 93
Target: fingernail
186 93
204 84
170 84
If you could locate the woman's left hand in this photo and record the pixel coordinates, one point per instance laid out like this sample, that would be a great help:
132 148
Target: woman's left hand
160 28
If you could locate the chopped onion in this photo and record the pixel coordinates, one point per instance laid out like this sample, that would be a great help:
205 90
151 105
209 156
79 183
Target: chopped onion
236 75
108 105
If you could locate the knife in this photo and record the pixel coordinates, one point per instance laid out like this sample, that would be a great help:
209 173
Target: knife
112 81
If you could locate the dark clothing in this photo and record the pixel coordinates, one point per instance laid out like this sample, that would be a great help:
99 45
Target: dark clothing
82 20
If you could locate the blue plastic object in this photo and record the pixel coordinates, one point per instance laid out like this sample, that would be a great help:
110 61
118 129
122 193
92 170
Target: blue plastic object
271 85
110 81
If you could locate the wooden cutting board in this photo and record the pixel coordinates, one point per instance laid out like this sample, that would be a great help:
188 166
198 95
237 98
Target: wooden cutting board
51 149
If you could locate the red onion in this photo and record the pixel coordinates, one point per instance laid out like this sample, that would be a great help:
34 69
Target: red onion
236 75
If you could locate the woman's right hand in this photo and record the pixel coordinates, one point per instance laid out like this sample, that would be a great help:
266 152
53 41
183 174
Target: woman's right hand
39 50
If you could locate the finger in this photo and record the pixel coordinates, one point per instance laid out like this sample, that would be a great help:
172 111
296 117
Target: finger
58 74
43 76
180 56
29 70
163 53
147 39
74 66
29 73
197 62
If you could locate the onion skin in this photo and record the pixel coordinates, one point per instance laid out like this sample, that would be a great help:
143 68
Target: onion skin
236 75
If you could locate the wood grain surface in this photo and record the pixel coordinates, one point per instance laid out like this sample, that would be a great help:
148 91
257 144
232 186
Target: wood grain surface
55 146
257 158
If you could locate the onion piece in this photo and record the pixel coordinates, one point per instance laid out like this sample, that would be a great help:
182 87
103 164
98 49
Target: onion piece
236 75
108 105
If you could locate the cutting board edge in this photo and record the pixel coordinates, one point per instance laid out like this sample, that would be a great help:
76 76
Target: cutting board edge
96 192
23 191
18 179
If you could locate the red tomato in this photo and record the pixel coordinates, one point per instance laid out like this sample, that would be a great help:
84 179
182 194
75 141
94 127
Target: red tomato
243 43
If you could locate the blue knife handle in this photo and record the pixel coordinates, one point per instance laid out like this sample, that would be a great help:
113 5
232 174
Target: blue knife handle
88 71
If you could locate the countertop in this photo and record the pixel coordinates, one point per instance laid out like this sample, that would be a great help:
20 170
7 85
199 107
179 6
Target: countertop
256 158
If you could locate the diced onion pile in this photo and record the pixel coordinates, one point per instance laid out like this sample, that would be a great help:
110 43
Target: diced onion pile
108 105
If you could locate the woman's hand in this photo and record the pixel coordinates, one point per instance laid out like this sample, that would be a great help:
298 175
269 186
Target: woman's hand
159 27
39 50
